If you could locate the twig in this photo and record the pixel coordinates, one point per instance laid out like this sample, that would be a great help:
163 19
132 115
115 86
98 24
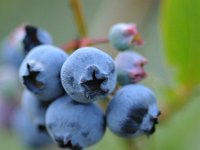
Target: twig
77 43
79 18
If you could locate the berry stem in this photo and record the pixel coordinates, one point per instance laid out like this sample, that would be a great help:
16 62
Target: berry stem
79 18
99 40
77 43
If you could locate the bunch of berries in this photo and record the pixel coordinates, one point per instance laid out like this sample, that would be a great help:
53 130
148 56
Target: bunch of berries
62 91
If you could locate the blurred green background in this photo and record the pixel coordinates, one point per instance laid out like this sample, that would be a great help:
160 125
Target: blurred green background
171 29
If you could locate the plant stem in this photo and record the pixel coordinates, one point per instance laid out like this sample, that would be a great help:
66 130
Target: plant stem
77 43
79 18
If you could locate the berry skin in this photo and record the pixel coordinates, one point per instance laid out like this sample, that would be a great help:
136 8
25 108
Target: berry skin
27 131
34 37
40 72
12 48
35 109
136 110
129 65
20 41
88 74
123 35
74 125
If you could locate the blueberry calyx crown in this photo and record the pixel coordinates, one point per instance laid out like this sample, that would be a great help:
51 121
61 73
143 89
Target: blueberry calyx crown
69 144
31 82
93 86
31 39
154 121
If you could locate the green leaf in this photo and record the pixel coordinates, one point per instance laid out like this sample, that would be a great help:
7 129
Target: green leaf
180 22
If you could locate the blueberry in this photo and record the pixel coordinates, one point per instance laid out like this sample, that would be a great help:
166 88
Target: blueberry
129 65
34 37
74 125
123 35
12 48
35 109
20 41
88 74
27 131
40 72
136 109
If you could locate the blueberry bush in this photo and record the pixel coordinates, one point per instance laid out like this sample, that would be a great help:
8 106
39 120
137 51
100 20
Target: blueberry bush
97 75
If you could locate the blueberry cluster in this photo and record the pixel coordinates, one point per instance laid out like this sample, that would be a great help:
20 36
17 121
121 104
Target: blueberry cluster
62 92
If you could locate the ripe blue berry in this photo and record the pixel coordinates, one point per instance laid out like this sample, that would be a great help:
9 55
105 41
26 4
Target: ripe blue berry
21 41
136 110
123 35
129 65
40 72
88 74
35 109
12 48
27 131
34 37
74 125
